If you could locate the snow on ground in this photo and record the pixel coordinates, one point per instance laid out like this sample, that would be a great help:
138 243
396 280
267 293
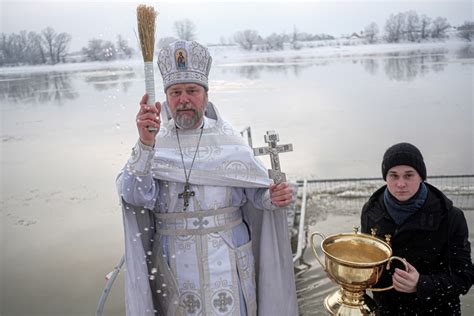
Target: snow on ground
328 49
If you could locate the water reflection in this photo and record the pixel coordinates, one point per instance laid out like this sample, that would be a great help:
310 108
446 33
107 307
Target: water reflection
465 52
406 66
36 88
371 66
58 86
267 66
397 66
111 79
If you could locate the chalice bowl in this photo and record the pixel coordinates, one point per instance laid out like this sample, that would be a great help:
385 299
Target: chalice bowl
355 261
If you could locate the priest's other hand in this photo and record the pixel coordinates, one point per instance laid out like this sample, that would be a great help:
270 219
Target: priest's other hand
148 116
281 194
405 281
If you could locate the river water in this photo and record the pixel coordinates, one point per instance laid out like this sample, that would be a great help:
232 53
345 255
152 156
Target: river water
67 131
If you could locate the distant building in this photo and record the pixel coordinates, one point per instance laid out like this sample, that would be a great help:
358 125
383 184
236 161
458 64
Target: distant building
357 36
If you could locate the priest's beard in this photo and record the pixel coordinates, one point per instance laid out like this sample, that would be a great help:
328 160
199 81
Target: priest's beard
187 120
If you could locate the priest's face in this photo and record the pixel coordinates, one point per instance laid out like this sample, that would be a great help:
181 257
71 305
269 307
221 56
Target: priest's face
403 182
187 102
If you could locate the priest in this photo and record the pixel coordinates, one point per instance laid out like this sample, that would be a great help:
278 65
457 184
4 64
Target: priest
205 227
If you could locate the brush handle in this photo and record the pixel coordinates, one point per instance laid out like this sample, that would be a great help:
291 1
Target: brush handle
150 87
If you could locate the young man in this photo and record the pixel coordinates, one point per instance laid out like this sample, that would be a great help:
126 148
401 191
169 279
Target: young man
205 233
427 230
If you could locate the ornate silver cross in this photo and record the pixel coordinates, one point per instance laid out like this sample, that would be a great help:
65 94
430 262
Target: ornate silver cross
273 150
187 193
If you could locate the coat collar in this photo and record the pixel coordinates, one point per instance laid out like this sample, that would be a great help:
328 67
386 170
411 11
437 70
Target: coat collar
427 218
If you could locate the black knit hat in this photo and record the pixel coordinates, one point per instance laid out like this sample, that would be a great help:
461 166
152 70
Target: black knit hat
403 154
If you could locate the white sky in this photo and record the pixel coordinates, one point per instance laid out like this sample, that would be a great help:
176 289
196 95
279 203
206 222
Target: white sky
106 19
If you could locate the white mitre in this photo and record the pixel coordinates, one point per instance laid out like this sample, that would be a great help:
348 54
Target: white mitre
184 62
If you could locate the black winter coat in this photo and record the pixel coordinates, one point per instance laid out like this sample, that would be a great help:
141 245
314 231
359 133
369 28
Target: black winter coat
435 241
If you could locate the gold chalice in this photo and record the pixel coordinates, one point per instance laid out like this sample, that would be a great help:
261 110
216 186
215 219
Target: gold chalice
356 262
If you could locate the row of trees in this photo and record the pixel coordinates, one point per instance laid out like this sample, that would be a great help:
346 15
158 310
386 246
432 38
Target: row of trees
101 50
404 26
466 31
50 47
412 27
47 47
248 39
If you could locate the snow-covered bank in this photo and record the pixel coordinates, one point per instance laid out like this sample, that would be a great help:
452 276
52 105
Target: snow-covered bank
230 55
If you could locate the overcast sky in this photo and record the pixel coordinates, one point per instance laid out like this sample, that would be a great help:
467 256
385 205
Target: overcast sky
106 19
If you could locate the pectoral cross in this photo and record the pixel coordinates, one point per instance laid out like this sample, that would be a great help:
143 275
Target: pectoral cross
187 193
273 150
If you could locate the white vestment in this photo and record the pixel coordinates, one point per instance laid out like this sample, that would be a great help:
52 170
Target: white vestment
201 261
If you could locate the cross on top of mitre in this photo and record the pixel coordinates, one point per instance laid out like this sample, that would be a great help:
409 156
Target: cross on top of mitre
273 149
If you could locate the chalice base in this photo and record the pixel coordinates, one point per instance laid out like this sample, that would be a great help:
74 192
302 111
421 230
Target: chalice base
335 306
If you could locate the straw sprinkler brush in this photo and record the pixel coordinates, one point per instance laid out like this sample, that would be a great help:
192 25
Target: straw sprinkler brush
146 17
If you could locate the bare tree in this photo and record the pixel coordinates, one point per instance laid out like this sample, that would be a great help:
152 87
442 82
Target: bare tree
61 43
185 29
36 53
440 25
394 27
33 48
99 50
21 45
55 44
412 25
122 47
466 30
425 22
39 47
246 39
274 41
48 36
294 39
4 49
371 31
165 41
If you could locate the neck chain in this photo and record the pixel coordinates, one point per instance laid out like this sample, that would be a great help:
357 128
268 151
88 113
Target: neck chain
187 193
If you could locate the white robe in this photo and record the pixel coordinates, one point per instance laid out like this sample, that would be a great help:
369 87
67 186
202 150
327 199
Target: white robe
225 173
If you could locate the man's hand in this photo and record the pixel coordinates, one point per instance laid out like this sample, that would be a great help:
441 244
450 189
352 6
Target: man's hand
281 194
405 281
148 116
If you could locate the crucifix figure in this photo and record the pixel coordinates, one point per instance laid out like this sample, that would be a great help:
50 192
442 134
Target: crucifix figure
273 150
187 193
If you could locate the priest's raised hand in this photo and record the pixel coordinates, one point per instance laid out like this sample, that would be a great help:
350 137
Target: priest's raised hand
148 116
